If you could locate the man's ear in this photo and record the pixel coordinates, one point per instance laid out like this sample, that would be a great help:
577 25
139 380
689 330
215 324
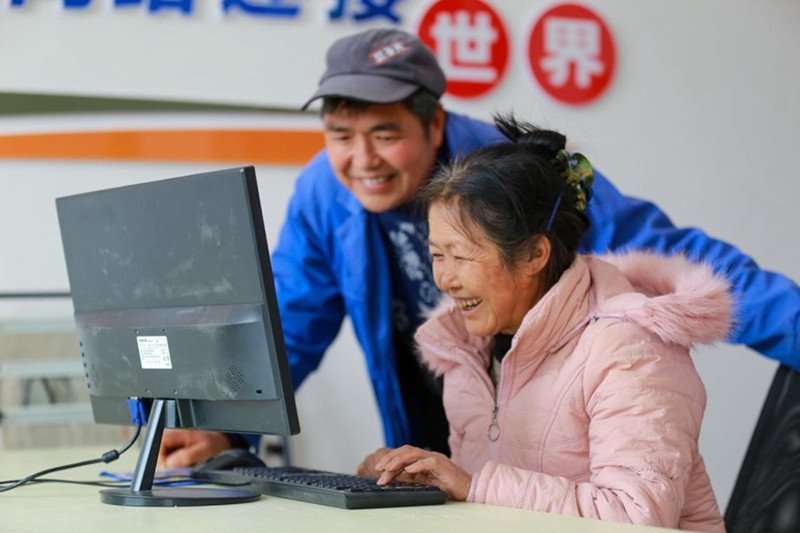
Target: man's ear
539 255
436 129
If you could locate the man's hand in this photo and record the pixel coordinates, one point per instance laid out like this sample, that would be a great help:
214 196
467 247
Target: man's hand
183 447
419 466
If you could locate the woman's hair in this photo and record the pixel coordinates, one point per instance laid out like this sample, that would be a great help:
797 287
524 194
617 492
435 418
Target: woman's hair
510 190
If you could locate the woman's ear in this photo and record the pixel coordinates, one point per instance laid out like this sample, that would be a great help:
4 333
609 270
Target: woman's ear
539 256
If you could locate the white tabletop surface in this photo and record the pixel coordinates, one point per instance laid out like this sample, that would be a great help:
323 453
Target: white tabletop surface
77 508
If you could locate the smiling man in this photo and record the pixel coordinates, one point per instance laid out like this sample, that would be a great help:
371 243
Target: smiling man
353 244
382 155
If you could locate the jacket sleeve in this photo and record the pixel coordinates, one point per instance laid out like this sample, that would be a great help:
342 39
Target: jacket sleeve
645 403
768 303
310 302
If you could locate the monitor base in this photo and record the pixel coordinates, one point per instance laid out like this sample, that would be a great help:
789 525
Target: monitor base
176 497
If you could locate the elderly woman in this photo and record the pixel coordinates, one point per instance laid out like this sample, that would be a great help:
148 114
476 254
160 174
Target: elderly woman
568 383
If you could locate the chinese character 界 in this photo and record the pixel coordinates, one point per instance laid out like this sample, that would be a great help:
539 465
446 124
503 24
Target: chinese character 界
571 41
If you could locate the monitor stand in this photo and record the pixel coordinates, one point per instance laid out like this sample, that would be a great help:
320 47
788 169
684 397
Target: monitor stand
143 494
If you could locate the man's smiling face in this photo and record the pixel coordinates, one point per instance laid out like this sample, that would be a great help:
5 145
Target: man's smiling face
382 154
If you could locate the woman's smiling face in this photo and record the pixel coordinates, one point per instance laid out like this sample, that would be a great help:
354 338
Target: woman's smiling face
467 266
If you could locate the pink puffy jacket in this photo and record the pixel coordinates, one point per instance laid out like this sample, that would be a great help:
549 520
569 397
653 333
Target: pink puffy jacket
598 409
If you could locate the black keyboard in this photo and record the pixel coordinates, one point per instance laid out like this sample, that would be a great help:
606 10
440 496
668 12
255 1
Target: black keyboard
328 488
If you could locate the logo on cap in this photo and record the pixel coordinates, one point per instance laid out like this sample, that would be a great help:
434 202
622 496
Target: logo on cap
381 55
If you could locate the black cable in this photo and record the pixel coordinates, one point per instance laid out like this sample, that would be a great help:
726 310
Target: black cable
107 457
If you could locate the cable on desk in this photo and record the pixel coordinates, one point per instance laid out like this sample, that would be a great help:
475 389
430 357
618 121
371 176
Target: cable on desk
112 484
107 457
176 482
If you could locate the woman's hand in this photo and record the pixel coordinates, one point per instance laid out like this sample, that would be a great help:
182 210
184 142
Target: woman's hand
367 466
419 466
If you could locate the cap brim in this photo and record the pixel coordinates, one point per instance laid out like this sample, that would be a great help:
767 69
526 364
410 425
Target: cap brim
375 89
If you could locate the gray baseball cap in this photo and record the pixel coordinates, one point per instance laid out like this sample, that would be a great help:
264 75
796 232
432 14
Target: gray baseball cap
382 66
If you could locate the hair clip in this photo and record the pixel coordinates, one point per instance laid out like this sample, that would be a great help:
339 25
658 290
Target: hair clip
579 175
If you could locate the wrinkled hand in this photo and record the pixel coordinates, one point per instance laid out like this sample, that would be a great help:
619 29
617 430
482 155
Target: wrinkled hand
183 447
367 466
421 466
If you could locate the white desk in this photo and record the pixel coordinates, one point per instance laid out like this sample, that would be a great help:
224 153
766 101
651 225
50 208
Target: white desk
67 507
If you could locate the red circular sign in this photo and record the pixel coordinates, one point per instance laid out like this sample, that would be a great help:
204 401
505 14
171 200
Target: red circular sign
470 42
571 54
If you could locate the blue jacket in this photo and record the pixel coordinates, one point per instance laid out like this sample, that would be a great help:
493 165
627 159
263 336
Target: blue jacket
330 261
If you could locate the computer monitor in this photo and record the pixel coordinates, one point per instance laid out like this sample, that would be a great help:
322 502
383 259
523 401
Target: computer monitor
175 309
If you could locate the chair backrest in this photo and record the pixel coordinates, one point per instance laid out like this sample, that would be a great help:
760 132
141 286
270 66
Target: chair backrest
766 497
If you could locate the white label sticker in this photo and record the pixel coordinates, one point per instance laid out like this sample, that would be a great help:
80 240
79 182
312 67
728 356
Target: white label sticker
154 352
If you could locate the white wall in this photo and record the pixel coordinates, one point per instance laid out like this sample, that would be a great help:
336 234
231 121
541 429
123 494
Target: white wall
703 117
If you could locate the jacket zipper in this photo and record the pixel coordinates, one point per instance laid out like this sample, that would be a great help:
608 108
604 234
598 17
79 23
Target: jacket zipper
494 426
498 397
493 431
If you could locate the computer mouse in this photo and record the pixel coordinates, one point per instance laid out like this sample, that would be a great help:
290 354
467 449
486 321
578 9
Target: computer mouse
227 460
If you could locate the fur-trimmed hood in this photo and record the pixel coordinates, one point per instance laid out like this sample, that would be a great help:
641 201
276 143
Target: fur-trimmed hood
682 302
